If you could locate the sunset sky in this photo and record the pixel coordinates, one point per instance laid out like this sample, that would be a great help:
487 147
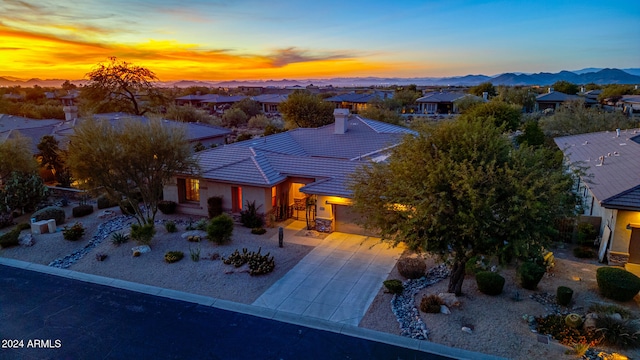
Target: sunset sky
306 39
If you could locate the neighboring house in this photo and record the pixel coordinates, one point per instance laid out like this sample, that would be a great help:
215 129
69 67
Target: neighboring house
213 101
12 126
219 103
438 102
630 104
553 100
610 188
301 173
356 101
270 102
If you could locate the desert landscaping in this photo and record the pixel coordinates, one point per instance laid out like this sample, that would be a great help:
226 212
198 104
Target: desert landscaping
497 325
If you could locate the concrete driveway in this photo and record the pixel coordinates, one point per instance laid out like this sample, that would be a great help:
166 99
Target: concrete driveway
336 281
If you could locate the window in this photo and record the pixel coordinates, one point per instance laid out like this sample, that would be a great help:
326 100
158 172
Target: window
189 190
273 197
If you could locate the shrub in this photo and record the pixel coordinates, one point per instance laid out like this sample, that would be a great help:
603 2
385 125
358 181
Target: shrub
618 332
555 326
412 268
74 232
394 286
167 206
23 226
258 264
101 256
573 320
475 265
10 238
586 234
583 252
617 284
6 220
529 274
563 295
201 225
170 226
50 212
119 238
82 210
220 229
195 254
105 202
143 233
431 304
249 217
258 231
173 256
193 238
490 283
214 206
604 309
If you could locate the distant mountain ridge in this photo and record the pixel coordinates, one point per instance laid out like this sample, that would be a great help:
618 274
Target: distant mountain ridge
598 76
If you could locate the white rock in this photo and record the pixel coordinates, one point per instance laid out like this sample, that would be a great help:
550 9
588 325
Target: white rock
200 233
26 240
467 330
444 310
142 249
449 299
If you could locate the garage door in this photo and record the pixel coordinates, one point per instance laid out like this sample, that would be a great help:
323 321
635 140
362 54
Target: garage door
346 221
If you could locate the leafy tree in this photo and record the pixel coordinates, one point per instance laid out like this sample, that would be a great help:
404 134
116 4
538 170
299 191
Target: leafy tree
186 113
460 189
130 161
118 85
381 114
487 87
502 114
259 121
403 98
234 118
303 109
614 92
573 118
22 191
592 86
52 158
15 156
524 97
250 107
566 87
67 85
532 134
467 102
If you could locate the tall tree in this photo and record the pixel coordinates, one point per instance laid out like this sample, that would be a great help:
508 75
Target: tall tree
574 118
460 189
502 114
22 191
130 161
15 155
52 158
566 87
482 88
118 85
304 109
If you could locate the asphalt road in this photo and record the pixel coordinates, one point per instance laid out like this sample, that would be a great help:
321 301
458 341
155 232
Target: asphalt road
48 317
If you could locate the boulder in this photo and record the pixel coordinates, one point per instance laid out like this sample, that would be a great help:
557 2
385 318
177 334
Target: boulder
202 234
444 310
449 299
141 249
467 330
26 240
590 321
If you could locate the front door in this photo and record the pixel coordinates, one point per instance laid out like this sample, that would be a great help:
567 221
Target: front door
634 246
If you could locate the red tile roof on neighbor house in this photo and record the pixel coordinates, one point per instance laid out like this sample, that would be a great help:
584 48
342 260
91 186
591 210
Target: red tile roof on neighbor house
612 165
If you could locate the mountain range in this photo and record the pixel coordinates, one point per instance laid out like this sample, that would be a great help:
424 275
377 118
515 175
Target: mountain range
598 76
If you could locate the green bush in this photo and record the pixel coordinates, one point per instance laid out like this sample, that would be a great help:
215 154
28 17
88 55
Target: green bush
119 238
586 234
394 286
23 226
249 217
74 232
582 252
617 284
556 326
50 212
6 219
10 238
529 274
214 206
170 226
431 304
173 256
618 332
563 295
412 268
608 309
475 265
105 202
490 283
258 264
143 233
167 206
258 231
82 210
220 229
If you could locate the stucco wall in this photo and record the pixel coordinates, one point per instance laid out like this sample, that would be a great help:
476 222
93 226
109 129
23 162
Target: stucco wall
324 210
621 234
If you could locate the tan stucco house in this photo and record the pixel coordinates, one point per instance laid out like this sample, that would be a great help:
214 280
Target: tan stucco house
610 188
301 173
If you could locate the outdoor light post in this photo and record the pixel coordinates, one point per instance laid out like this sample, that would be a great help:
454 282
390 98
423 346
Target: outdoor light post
280 236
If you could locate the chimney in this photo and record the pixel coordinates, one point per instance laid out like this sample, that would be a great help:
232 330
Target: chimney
485 96
342 116
618 132
550 90
582 89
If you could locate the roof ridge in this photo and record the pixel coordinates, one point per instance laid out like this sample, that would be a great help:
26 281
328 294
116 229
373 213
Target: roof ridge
620 194
255 162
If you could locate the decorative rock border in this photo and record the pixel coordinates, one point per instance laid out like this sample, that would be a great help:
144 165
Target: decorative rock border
404 308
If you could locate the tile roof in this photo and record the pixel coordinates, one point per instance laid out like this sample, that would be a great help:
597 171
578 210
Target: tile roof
556 96
438 97
615 182
318 153
358 98
224 99
270 98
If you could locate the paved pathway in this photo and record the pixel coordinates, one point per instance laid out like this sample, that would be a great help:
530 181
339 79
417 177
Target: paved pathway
336 281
